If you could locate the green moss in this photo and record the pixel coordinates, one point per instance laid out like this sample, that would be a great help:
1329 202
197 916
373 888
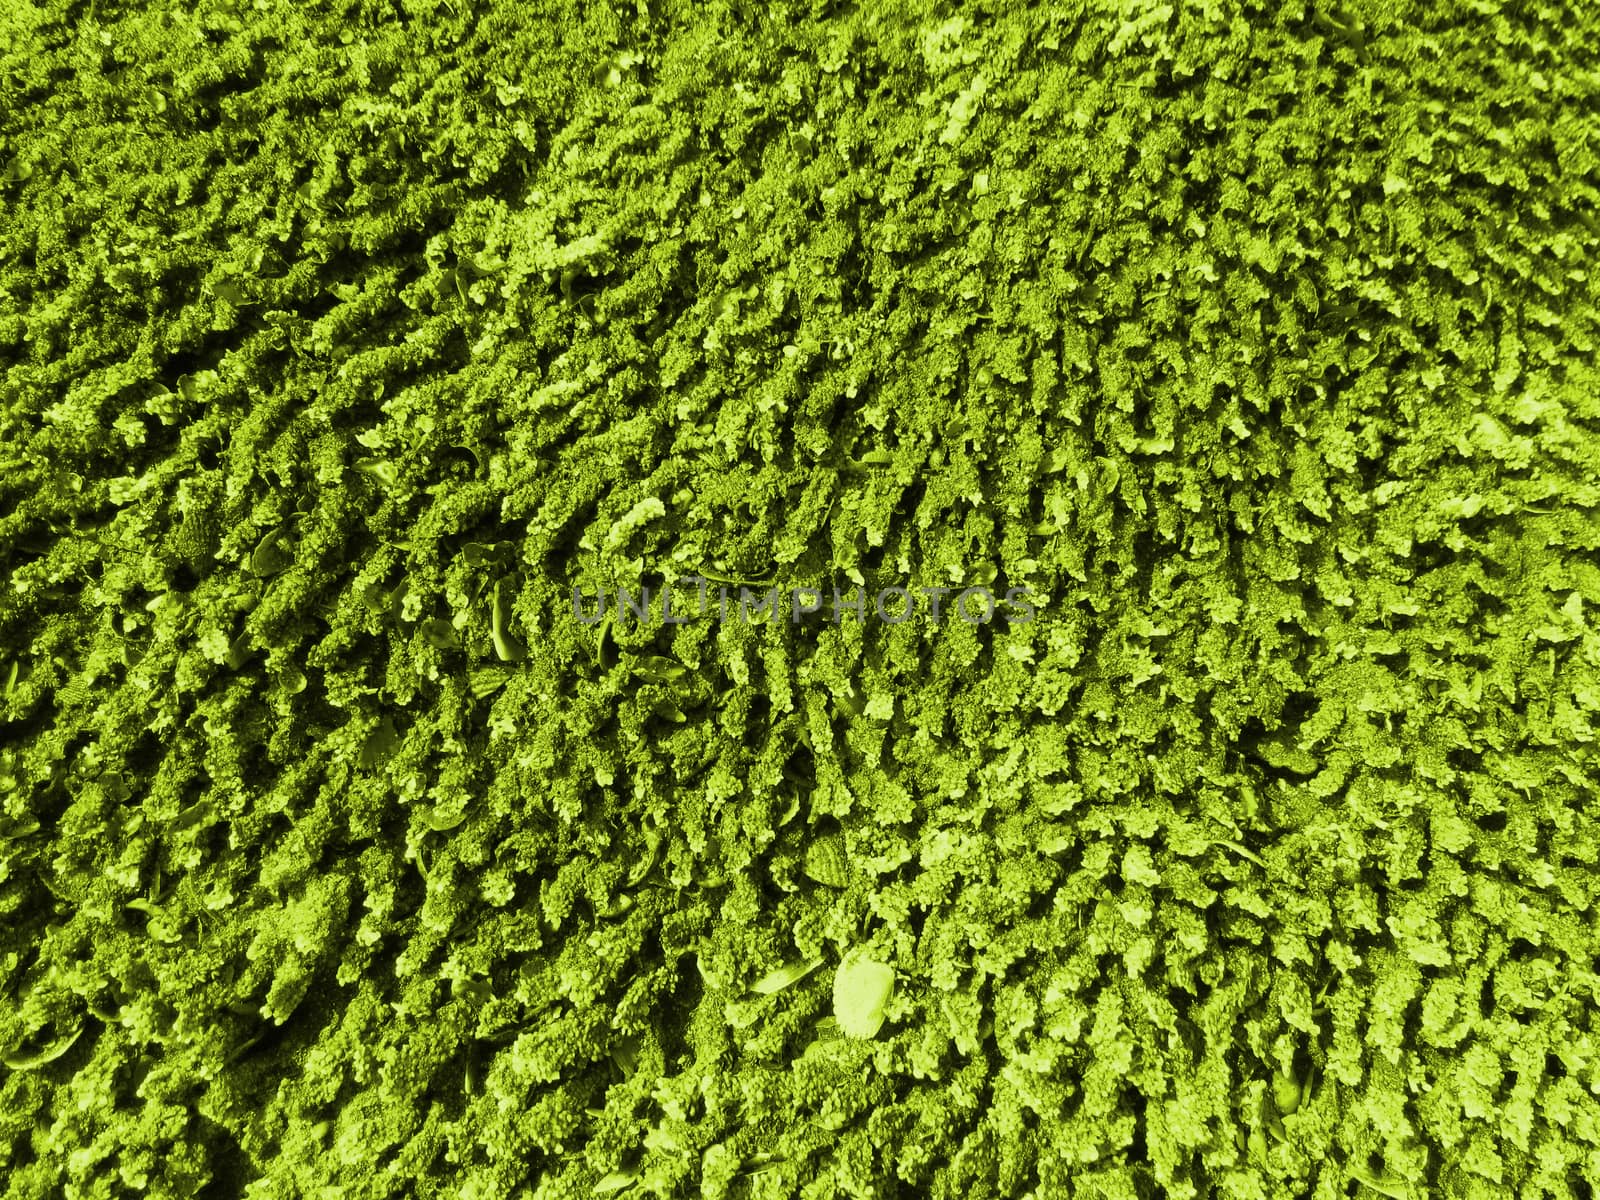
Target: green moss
1257 342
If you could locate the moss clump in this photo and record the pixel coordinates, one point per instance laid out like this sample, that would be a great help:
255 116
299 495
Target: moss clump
338 857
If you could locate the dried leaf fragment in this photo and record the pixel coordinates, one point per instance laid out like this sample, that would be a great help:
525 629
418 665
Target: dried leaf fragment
784 976
861 991
827 863
24 1062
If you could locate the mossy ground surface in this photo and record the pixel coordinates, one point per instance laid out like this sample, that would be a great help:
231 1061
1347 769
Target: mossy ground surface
1258 341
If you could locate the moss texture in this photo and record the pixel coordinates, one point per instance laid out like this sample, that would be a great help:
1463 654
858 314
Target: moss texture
340 859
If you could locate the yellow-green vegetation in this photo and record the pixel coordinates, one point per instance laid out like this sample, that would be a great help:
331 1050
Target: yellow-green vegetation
340 860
